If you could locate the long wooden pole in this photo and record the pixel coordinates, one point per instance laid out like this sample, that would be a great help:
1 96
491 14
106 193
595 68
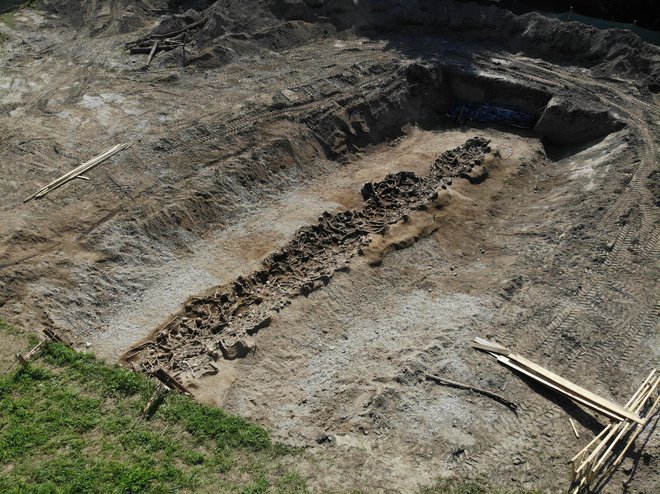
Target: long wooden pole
88 165
578 457
586 464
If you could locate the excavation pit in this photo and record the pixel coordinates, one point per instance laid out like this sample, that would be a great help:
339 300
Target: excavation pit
311 218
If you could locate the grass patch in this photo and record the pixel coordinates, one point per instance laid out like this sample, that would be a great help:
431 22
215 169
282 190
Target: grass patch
69 423
455 486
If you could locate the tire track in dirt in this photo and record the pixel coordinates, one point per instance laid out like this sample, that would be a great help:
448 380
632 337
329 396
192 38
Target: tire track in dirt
635 194
614 339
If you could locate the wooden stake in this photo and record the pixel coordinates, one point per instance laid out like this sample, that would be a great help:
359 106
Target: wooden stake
636 404
574 428
621 456
170 381
25 359
623 430
55 337
596 461
183 52
161 388
609 426
152 52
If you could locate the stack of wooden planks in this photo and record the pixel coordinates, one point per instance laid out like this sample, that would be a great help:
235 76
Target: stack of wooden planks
598 459
78 171
555 382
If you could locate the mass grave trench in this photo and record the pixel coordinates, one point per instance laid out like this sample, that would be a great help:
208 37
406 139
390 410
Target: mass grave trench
221 323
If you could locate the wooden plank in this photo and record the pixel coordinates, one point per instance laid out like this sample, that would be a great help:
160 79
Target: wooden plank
88 165
574 388
170 381
629 404
55 337
25 359
608 413
152 52
490 346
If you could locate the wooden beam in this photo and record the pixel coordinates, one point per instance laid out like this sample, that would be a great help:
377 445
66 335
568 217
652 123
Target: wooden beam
575 397
88 165
490 346
170 381
152 52
574 388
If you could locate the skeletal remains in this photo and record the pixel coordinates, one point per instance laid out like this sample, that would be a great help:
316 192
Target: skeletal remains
221 322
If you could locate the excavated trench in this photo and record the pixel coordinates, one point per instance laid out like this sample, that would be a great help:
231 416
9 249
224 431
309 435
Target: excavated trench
330 200
221 323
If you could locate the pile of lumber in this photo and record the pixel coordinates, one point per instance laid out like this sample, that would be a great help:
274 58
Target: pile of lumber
78 171
155 43
598 459
555 382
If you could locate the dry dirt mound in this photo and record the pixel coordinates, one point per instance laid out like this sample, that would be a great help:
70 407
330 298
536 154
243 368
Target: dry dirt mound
608 52
233 29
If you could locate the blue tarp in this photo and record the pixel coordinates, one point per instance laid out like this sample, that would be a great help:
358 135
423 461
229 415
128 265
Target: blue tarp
464 111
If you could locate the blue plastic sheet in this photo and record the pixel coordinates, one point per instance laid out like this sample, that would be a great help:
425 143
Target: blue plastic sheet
463 111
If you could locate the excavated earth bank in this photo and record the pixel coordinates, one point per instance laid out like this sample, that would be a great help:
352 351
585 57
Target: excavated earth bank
299 232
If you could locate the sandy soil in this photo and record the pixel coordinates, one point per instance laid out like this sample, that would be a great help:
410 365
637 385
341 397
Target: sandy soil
554 254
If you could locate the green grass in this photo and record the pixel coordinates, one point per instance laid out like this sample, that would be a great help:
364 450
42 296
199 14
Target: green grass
69 424
470 487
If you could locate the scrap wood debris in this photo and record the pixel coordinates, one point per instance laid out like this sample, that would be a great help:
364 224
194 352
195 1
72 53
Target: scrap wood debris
51 336
594 464
598 459
154 43
555 382
78 171
220 323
